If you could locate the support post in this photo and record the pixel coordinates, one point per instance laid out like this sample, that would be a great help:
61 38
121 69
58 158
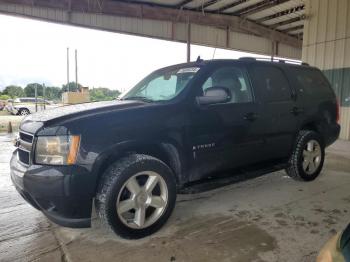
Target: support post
188 40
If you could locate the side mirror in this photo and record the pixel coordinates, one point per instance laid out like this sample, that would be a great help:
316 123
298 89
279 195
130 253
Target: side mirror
214 95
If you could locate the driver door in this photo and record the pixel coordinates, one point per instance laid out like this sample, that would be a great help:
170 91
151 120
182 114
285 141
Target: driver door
222 136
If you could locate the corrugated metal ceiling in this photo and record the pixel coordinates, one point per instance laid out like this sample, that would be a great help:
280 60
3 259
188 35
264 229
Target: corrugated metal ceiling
274 14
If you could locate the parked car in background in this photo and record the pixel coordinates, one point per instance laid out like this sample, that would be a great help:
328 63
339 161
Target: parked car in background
179 125
8 105
28 105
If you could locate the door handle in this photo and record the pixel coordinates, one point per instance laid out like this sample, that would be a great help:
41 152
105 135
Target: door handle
296 110
251 116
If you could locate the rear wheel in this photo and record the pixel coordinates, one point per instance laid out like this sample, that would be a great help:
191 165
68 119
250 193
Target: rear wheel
136 196
307 159
24 112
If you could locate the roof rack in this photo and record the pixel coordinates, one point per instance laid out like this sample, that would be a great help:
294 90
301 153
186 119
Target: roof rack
276 60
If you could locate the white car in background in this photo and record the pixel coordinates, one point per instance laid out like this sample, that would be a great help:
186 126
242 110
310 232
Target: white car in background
28 105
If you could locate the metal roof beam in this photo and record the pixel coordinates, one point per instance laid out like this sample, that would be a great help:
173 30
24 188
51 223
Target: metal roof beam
292 28
183 3
165 14
282 13
258 7
289 21
230 5
208 3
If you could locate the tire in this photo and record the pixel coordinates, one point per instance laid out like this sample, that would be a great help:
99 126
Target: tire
23 112
307 159
118 192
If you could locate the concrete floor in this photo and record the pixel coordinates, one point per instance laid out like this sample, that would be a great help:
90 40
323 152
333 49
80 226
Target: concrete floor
269 218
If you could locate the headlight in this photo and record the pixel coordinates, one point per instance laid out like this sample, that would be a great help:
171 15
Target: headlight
56 150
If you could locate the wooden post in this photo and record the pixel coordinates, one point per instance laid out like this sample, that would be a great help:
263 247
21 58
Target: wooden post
9 128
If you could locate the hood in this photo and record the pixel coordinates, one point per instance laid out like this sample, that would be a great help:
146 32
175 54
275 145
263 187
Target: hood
79 109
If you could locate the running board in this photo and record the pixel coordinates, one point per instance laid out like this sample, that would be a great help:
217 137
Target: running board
225 178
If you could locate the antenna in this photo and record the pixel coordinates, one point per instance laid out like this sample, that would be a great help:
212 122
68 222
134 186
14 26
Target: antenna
214 53
67 69
76 70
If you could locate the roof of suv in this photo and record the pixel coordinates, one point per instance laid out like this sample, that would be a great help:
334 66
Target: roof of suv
278 62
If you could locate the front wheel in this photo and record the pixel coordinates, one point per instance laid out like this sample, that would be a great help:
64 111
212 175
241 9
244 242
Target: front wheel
136 196
307 158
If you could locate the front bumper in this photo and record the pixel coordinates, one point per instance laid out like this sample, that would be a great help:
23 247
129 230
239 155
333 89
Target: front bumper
50 190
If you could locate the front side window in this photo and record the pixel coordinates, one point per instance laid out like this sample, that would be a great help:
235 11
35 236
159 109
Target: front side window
234 79
162 85
271 84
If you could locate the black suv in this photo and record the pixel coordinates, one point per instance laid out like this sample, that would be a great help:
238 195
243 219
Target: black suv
180 124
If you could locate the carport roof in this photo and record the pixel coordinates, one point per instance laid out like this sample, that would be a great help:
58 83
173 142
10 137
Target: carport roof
285 16
270 27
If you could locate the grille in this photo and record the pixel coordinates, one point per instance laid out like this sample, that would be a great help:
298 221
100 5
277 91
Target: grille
25 147
26 137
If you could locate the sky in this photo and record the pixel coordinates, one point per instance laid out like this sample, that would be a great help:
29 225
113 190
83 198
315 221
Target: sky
35 51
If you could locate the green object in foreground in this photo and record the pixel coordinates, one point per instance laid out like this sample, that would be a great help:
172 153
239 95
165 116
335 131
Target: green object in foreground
344 243
340 81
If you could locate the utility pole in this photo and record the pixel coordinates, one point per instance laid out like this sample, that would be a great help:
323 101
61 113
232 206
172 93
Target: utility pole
44 92
68 69
36 97
76 69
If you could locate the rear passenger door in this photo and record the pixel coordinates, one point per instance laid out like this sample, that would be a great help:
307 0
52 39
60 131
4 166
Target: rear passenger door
278 110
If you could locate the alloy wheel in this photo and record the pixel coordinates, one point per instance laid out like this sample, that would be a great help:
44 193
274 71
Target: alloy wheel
142 200
24 113
312 155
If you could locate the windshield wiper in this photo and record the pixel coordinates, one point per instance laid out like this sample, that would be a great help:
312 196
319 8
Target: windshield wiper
141 98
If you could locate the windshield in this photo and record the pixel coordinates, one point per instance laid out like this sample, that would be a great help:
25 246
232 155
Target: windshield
162 85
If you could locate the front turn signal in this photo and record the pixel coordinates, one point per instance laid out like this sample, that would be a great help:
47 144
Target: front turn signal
73 150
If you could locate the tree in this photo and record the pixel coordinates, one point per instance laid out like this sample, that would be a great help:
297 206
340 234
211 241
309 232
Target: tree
103 94
53 93
13 91
72 87
29 90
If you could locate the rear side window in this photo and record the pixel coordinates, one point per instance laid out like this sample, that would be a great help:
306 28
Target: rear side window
270 83
312 82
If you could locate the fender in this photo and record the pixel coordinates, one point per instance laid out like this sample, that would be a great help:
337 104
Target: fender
165 151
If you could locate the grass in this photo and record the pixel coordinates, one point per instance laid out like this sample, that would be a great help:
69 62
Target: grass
4 113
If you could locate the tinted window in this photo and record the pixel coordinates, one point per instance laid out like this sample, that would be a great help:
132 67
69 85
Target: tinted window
271 84
232 78
312 82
